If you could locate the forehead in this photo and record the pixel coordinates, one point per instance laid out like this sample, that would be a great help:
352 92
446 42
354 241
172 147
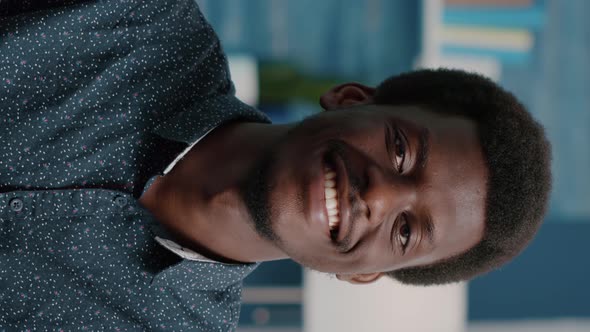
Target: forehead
451 188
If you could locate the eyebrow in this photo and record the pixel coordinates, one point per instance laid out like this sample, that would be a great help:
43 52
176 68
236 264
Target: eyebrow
423 153
423 147
429 229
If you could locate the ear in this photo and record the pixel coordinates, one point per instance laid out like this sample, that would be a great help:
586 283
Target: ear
357 279
345 95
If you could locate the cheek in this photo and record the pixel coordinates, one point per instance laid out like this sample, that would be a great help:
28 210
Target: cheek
362 132
366 142
373 254
368 148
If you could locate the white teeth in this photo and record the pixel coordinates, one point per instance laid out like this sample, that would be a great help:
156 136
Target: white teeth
333 221
331 203
331 196
330 192
332 212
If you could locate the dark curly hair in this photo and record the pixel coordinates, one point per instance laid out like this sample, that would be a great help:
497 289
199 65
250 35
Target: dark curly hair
517 154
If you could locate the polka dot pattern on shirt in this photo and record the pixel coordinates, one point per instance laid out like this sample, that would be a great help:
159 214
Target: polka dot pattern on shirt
97 98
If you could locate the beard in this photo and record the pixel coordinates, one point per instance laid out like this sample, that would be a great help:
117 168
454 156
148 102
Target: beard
255 192
257 188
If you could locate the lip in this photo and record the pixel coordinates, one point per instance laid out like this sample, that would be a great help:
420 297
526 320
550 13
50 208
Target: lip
317 203
318 212
343 204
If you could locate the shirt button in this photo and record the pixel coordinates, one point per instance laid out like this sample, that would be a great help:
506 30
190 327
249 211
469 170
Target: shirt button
16 204
121 201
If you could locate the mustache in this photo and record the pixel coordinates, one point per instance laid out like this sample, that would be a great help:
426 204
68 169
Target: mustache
357 184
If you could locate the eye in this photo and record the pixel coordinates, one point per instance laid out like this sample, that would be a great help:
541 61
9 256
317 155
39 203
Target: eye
404 232
400 151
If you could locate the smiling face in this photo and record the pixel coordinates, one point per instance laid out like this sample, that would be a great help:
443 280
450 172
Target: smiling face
408 189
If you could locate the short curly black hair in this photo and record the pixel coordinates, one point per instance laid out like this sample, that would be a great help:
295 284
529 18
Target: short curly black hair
517 154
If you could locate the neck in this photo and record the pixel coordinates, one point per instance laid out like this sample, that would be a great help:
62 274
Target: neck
199 200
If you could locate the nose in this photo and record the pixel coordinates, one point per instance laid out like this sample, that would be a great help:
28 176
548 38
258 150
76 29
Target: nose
387 194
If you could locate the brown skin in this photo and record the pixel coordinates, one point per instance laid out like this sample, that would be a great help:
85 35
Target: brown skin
202 199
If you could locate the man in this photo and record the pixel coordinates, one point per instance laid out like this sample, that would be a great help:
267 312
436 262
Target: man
138 192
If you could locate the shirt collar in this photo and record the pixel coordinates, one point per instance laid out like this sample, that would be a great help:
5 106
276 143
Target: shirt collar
219 275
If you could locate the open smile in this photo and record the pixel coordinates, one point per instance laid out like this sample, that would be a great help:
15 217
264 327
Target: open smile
336 207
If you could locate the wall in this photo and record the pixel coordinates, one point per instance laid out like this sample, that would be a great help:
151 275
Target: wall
385 306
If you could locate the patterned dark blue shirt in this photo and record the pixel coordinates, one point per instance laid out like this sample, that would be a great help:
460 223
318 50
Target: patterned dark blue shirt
97 98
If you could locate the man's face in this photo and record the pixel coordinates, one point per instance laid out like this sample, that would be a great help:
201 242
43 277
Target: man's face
400 172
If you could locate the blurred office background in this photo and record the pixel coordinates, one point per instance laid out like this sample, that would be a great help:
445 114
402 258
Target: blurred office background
285 53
